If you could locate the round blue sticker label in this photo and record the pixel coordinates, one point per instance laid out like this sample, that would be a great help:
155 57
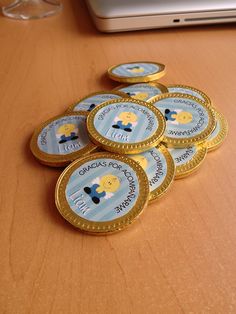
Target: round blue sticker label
142 91
185 118
135 69
102 190
64 136
154 164
89 103
125 122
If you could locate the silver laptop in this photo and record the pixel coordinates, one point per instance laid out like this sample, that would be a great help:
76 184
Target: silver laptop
127 15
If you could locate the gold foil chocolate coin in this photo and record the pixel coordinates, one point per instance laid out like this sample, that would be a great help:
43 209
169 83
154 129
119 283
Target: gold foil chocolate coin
189 120
102 193
189 90
126 126
143 91
89 102
62 139
136 72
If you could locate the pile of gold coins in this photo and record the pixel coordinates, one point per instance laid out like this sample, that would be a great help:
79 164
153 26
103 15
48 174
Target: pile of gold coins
123 148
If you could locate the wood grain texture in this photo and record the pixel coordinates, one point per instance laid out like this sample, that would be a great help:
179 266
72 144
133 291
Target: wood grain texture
180 256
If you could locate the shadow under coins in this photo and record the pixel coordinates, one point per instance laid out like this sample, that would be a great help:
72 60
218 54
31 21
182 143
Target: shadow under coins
107 83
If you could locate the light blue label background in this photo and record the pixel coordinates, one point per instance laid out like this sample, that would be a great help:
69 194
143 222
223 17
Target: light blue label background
96 100
182 155
199 115
123 70
185 91
139 131
106 209
48 139
150 90
156 169
215 132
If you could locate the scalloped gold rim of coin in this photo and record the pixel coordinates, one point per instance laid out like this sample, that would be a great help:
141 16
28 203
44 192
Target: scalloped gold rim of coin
57 160
77 103
130 148
105 227
204 96
216 141
160 86
188 141
137 79
193 164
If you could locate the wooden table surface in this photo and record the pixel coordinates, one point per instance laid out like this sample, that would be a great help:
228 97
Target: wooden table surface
180 256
